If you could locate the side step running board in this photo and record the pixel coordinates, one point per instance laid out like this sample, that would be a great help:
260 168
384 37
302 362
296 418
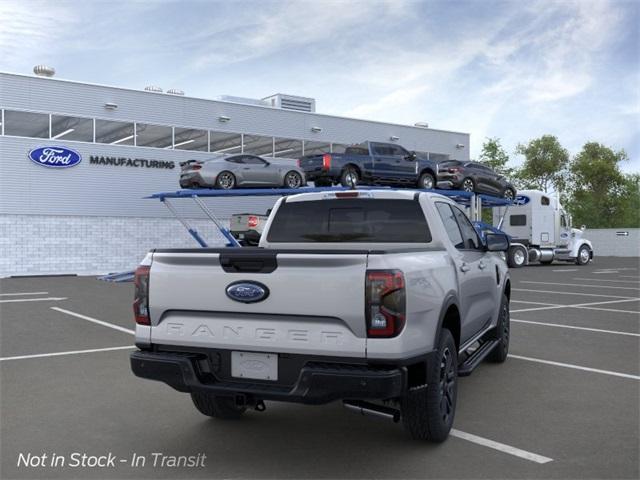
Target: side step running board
469 365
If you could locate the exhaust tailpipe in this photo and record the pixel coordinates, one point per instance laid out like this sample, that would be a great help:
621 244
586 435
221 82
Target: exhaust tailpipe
373 410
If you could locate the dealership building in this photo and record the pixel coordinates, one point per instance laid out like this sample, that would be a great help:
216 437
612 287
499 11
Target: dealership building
92 218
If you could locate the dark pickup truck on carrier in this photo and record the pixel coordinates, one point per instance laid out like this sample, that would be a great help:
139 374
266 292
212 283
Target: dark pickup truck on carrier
370 163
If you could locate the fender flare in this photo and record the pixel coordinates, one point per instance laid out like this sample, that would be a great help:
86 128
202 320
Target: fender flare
451 299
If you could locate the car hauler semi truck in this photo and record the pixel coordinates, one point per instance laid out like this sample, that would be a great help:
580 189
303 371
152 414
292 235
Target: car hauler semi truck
541 231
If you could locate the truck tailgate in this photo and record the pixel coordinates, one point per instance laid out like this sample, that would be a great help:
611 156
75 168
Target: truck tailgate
315 301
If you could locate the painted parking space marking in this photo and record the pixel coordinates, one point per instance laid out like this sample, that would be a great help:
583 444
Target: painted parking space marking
566 270
606 280
44 299
582 294
72 352
580 285
589 306
22 293
576 367
94 320
501 447
536 303
573 327
629 276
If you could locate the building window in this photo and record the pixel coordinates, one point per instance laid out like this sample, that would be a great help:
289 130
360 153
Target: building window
26 124
114 133
258 145
438 157
71 128
287 148
316 148
158 136
190 139
225 143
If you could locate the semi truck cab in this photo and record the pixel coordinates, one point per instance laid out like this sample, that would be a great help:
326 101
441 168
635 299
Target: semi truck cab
541 231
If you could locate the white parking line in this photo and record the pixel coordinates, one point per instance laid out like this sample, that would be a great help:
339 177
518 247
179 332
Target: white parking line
610 310
536 303
580 285
605 280
23 293
47 299
566 270
589 306
94 320
628 276
559 325
73 352
569 293
576 367
485 442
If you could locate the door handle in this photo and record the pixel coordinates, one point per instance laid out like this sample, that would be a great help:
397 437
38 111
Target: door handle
482 265
464 267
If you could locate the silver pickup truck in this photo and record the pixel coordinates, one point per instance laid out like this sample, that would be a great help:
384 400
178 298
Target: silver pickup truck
378 298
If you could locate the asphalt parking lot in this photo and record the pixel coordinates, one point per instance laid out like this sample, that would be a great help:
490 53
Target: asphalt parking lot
564 405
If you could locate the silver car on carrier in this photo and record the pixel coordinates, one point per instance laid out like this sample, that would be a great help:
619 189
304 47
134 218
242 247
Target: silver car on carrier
226 172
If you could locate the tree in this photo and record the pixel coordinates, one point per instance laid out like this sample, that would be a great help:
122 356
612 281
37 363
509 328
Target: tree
600 194
495 157
545 164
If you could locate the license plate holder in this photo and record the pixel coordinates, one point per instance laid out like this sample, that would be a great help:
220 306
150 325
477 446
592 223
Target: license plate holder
256 366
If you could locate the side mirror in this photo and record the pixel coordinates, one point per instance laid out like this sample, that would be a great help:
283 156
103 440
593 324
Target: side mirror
583 227
411 157
496 242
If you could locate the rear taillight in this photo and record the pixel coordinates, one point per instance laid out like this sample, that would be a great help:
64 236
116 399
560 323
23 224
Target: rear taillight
326 161
252 222
454 170
141 298
299 162
195 167
385 305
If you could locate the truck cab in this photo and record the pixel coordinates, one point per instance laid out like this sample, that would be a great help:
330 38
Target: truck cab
541 231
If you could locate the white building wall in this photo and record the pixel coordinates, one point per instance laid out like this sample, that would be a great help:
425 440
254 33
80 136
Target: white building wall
66 244
611 242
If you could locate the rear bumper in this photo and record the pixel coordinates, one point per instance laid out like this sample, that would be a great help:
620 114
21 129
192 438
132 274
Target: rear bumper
317 382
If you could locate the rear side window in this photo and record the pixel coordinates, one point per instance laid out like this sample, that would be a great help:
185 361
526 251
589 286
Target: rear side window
350 220
450 224
517 220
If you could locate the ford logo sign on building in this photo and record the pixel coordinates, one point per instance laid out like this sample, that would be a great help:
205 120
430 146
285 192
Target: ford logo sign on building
247 292
55 157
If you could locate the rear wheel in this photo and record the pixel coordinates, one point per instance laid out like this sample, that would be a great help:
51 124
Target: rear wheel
509 194
468 185
426 181
217 406
517 256
293 180
349 177
428 412
584 255
499 353
225 180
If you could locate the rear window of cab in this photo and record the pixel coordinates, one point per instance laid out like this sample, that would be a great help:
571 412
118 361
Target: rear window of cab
353 220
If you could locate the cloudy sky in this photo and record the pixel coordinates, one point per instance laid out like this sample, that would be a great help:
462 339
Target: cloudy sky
508 69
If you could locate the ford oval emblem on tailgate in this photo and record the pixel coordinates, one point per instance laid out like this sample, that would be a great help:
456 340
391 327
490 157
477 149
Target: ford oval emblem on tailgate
247 292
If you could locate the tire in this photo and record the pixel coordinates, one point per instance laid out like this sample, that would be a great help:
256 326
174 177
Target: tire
428 413
427 181
584 255
293 180
225 180
516 257
503 328
468 185
509 194
349 177
215 406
